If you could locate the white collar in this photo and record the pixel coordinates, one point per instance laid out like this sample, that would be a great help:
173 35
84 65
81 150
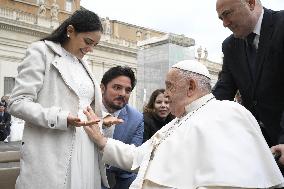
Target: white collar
258 24
106 112
68 54
198 102
58 49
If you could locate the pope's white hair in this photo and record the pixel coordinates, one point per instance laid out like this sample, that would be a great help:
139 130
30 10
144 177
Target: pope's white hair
203 82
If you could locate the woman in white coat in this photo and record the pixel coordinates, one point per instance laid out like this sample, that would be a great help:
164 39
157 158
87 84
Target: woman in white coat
53 87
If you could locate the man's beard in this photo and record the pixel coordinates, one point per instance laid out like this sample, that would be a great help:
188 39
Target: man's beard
115 107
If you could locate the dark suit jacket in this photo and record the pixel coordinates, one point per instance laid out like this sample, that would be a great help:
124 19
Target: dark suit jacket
129 132
153 123
264 97
5 119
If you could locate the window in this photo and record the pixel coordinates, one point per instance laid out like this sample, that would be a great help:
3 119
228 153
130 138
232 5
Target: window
68 5
9 83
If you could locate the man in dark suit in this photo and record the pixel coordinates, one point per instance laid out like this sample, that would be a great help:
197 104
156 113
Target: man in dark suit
5 123
116 85
254 62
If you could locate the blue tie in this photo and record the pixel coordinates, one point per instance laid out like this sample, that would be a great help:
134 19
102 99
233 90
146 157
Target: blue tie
251 54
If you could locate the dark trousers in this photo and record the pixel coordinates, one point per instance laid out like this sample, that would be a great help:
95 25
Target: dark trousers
118 182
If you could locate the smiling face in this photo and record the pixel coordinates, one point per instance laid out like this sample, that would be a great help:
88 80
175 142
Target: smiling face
237 15
161 106
116 93
80 44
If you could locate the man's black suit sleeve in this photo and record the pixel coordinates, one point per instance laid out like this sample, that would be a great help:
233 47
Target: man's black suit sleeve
225 88
281 136
8 120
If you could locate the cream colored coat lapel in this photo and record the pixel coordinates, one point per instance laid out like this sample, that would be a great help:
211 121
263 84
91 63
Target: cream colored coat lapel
59 63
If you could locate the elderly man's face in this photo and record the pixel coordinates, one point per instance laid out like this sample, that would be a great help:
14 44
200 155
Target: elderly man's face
176 91
236 15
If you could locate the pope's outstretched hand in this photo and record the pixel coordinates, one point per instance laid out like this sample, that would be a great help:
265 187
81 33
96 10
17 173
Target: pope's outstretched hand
94 130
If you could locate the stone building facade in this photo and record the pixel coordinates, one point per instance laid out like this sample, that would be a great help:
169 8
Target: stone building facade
25 21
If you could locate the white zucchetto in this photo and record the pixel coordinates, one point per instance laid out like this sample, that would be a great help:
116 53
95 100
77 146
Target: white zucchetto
192 66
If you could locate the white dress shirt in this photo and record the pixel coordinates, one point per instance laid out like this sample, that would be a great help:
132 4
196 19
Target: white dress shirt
257 29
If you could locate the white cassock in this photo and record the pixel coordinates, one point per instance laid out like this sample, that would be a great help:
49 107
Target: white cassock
217 144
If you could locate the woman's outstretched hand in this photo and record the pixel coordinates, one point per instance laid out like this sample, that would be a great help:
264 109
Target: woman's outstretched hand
75 121
72 120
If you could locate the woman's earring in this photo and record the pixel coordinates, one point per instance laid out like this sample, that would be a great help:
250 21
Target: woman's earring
68 35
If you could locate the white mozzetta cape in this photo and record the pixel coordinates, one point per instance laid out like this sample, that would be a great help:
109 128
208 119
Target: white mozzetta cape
219 144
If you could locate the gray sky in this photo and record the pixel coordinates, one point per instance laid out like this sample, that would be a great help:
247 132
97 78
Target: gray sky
194 18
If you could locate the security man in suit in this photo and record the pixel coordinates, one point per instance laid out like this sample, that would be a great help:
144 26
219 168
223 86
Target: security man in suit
116 86
254 63
5 123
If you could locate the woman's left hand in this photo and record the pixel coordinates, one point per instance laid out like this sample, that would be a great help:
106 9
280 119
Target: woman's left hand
93 120
108 121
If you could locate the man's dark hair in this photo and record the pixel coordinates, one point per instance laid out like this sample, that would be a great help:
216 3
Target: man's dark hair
117 71
81 20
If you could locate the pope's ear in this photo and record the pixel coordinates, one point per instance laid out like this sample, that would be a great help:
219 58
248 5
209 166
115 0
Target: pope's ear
191 87
251 4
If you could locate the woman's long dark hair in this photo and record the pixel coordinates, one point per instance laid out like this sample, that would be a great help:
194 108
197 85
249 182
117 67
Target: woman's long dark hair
81 20
149 108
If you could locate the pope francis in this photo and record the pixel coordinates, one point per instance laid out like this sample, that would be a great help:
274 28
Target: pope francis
211 144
